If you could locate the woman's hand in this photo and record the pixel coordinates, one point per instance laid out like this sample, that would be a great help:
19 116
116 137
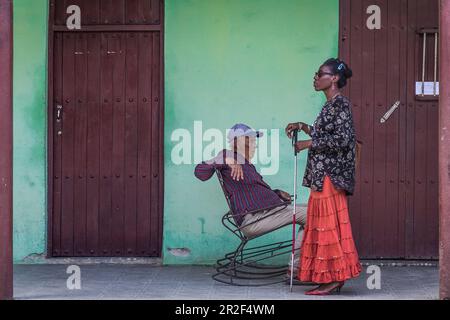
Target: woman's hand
300 126
303 145
237 173
291 127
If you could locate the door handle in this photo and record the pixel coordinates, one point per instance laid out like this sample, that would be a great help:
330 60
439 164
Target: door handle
59 109
390 112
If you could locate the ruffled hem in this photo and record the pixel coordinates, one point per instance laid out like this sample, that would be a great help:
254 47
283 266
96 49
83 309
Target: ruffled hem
327 276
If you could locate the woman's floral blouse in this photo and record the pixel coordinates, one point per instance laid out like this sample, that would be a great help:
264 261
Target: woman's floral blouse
333 150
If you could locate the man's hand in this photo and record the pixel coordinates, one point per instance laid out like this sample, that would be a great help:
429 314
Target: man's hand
237 173
283 195
303 145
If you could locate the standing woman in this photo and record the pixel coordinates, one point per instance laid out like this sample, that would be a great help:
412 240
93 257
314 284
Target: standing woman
328 253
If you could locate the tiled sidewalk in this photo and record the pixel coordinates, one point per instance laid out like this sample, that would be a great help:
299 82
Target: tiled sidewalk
106 281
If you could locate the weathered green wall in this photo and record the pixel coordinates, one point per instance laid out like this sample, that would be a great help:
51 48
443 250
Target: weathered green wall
30 94
231 61
226 61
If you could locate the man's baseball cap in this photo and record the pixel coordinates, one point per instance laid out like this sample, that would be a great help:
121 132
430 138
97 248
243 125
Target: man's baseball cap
243 130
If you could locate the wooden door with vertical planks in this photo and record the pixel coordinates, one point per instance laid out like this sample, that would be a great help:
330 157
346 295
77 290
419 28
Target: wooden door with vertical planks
107 129
395 207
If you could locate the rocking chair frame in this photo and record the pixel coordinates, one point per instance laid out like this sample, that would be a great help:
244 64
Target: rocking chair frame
243 266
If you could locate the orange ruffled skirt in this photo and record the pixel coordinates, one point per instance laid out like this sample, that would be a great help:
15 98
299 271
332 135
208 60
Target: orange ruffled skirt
328 252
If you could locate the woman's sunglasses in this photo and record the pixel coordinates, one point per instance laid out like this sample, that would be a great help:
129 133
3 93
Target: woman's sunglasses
320 74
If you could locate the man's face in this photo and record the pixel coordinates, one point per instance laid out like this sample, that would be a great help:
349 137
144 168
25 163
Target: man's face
247 145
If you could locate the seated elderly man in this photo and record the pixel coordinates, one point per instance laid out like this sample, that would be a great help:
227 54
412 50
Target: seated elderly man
247 189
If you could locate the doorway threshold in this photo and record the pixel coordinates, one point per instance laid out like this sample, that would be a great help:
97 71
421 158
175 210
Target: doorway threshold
400 263
42 259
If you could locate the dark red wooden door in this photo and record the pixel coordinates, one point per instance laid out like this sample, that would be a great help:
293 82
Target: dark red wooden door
395 207
107 140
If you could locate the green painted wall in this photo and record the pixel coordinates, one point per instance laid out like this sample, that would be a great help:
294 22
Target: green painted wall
30 131
231 61
226 61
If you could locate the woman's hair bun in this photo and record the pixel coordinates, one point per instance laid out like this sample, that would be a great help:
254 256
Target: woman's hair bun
348 73
341 68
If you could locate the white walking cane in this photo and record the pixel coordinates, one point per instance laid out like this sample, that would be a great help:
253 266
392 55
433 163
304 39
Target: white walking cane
294 214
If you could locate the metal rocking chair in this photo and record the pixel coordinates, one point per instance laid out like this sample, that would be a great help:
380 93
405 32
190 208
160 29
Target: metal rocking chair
245 266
